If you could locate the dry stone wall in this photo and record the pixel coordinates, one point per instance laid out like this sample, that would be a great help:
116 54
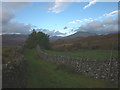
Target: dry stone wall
103 69
14 72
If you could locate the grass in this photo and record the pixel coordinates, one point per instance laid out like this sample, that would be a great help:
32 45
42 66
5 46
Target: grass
43 74
92 54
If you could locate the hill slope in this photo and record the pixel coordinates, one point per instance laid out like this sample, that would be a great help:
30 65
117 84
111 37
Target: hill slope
91 42
13 39
55 38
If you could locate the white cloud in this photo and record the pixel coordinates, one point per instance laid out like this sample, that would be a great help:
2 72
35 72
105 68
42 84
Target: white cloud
86 19
90 18
58 6
73 22
52 33
90 3
112 13
100 17
79 20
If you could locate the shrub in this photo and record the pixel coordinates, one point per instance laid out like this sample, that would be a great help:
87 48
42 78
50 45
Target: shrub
38 38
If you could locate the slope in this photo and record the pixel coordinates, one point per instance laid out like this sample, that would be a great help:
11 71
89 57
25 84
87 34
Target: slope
104 42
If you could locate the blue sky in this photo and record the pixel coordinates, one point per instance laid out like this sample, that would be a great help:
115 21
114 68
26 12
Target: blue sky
55 16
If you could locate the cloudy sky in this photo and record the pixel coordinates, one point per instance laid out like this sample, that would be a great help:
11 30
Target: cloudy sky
60 18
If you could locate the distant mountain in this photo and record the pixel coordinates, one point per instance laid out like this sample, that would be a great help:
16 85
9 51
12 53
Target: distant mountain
13 39
55 38
19 39
81 34
77 34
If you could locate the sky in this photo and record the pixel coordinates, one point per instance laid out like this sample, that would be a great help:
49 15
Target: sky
60 18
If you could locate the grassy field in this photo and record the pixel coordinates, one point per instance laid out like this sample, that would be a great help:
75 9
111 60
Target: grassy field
92 54
43 74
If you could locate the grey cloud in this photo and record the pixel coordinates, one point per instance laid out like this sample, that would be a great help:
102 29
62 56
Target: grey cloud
7 15
117 20
90 27
108 21
15 5
15 27
72 30
95 24
107 26
110 28
65 27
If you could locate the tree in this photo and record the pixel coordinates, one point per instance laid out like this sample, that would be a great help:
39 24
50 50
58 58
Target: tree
38 38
